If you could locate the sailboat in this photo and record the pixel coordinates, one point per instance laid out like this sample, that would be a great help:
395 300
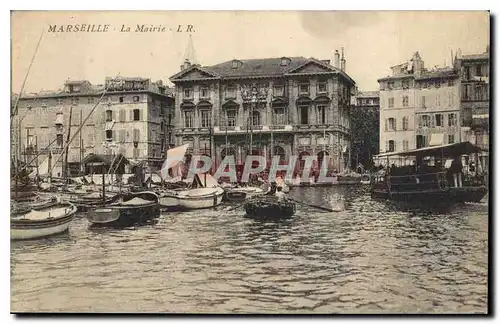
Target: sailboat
205 191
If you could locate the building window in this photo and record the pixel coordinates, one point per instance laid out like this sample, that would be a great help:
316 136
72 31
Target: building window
135 98
405 123
59 119
162 127
304 115
255 118
137 114
188 93
90 100
423 102
392 146
59 139
466 75
279 116
136 153
188 118
204 92
321 115
109 115
406 84
231 93
479 71
59 101
390 85
452 120
205 118
231 118
278 91
479 92
451 139
136 136
405 145
391 103
304 88
451 83
439 120
75 101
120 99
405 101
322 87
391 124
437 83
109 135
426 121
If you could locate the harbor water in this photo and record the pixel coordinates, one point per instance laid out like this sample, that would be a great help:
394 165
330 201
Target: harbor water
368 257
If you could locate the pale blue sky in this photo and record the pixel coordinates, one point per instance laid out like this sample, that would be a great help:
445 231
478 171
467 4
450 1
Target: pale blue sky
372 41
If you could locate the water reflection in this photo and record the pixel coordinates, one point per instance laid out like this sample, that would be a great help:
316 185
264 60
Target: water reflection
371 256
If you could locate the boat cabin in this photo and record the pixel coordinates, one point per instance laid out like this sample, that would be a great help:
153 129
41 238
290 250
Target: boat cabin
445 171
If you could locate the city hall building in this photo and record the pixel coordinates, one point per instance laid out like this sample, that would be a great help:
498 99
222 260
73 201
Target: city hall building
269 107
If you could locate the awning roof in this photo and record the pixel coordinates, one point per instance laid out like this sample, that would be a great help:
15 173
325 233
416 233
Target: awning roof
104 158
448 150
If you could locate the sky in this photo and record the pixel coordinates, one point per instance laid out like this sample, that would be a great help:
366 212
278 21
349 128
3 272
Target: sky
373 41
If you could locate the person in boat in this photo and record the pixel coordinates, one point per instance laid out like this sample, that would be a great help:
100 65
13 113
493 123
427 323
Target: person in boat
272 189
280 194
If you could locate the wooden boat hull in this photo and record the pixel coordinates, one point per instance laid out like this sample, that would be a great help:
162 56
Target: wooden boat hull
235 196
87 204
169 202
25 229
25 207
200 201
269 208
448 196
122 215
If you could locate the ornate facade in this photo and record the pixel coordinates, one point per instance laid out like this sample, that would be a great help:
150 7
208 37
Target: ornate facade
270 107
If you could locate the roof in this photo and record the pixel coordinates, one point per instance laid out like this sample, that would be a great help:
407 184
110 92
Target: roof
264 67
256 67
484 56
448 150
105 158
438 73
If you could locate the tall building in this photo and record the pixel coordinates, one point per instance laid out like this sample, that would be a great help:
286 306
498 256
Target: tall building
475 97
134 118
415 103
365 119
272 106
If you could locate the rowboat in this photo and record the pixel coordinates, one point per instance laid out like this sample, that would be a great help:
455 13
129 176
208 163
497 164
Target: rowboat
93 200
42 222
242 193
269 208
131 209
36 202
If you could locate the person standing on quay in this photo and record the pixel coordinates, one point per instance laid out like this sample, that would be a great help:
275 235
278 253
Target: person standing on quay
456 169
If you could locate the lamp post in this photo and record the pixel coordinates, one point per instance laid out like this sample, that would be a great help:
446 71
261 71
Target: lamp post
252 107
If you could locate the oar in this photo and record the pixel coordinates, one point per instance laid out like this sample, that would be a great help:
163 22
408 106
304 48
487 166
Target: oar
235 207
310 205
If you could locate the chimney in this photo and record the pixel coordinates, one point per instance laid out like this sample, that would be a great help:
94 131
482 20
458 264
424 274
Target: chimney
342 61
336 59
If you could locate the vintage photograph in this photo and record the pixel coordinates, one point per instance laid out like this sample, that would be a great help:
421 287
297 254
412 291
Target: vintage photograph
250 162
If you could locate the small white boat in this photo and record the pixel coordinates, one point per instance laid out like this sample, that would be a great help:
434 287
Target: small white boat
42 222
206 193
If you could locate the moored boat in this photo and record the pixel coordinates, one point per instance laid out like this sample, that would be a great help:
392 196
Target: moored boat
131 209
431 178
42 222
269 208
93 200
242 193
37 202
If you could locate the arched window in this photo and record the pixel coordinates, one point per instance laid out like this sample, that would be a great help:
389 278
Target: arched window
109 115
255 118
279 151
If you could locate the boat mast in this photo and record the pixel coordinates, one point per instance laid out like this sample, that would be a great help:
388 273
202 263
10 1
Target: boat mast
81 144
36 163
65 167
